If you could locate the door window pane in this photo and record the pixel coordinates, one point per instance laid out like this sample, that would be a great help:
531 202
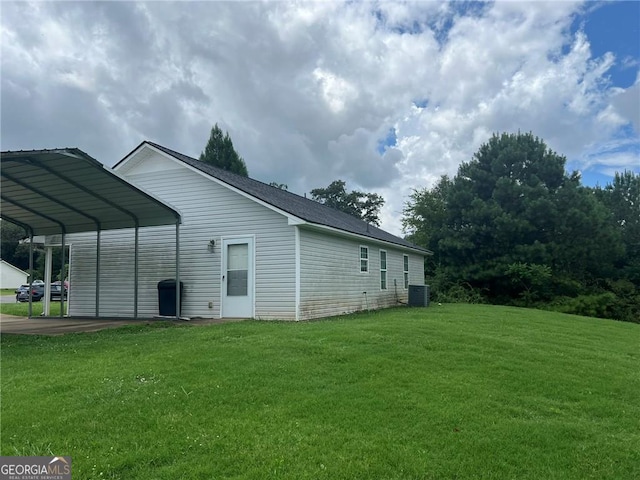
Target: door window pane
238 256
237 283
237 269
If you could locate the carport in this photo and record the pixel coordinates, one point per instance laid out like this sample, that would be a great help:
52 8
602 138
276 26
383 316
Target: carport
63 191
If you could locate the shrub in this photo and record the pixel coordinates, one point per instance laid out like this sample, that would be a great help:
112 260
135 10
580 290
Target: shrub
601 305
458 294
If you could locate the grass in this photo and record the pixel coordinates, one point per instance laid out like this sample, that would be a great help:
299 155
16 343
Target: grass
456 391
7 291
22 309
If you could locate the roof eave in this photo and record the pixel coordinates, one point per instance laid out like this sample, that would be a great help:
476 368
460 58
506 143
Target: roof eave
361 237
292 219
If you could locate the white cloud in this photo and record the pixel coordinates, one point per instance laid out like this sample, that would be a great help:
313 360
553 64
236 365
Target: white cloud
336 91
308 89
626 103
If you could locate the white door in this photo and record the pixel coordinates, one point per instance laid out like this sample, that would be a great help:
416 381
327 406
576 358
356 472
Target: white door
237 278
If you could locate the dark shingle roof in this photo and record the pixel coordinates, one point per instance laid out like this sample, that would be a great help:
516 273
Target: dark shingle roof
301 207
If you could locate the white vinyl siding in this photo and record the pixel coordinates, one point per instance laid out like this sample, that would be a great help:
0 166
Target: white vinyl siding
11 276
331 286
416 272
209 211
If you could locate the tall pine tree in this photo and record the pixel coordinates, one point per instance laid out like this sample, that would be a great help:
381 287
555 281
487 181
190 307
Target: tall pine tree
220 153
512 224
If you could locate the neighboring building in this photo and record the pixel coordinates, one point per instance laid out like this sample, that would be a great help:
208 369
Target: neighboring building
10 276
247 250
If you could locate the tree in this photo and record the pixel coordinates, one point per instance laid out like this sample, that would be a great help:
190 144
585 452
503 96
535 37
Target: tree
365 206
513 224
9 244
424 215
220 153
534 279
424 220
622 197
17 253
499 211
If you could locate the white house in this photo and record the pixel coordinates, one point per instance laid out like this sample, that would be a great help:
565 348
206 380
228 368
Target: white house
11 276
247 250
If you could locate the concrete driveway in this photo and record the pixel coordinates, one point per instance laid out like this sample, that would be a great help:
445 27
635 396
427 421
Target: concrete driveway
8 298
59 326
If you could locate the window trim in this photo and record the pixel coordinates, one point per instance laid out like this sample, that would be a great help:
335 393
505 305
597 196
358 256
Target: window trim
366 260
384 270
405 270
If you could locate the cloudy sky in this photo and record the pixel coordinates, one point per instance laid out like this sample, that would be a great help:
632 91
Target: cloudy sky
387 96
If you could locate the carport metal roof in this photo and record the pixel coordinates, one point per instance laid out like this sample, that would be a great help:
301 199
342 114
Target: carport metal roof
67 191
63 191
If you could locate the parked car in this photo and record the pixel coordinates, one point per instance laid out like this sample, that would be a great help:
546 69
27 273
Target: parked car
56 290
22 293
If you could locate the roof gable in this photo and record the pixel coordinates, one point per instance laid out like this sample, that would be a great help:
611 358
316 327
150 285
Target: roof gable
138 164
11 267
301 207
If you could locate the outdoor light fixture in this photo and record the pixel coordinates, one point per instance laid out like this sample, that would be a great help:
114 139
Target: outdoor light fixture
212 243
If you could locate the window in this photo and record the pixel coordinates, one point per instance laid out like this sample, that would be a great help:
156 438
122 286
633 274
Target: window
405 260
383 270
364 259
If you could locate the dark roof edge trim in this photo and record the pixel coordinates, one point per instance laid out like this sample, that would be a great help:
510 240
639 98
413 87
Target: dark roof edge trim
294 219
346 233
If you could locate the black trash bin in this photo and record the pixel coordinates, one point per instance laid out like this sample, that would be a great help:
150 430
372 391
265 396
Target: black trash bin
167 297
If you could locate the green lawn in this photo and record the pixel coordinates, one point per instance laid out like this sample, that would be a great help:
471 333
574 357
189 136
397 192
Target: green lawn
22 309
454 391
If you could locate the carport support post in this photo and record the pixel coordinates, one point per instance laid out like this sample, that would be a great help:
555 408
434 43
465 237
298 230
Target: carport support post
47 283
177 270
62 275
135 272
98 273
30 272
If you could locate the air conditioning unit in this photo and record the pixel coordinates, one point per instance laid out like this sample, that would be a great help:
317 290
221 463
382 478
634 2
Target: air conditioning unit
418 295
